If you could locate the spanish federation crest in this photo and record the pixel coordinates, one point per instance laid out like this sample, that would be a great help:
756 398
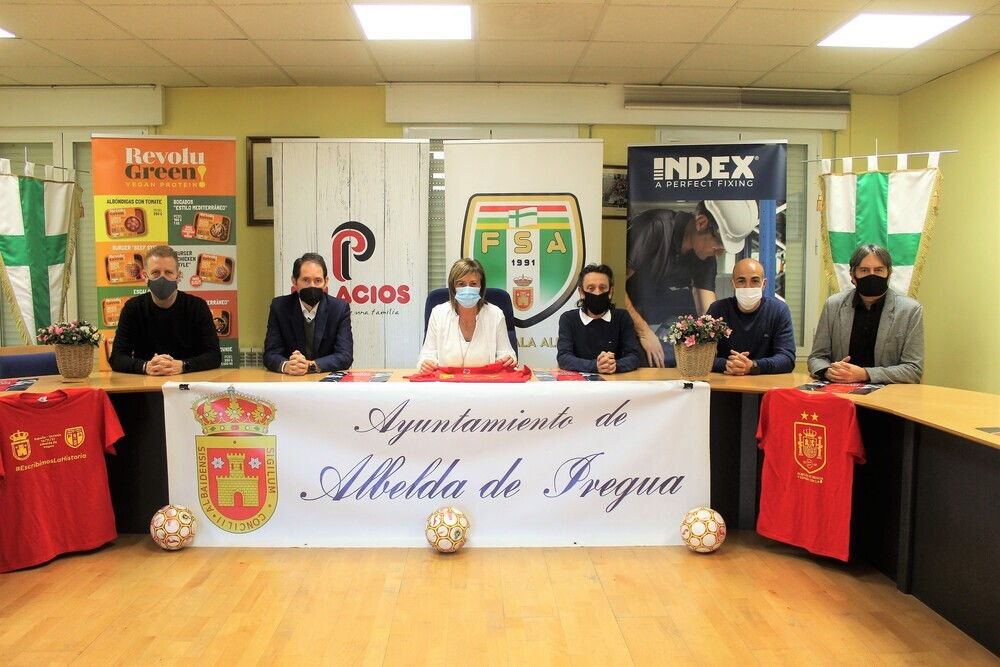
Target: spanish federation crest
236 460
532 245
810 446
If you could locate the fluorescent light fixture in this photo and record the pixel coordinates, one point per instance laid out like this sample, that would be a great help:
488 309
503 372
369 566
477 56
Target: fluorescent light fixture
892 31
415 21
5 35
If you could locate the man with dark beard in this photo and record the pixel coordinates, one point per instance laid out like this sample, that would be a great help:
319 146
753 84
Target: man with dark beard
869 333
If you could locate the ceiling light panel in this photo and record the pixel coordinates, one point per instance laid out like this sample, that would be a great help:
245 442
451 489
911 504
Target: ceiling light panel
415 21
892 31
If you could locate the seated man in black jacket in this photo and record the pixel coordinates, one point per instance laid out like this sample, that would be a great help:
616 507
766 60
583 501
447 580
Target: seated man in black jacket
597 338
164 331
308 331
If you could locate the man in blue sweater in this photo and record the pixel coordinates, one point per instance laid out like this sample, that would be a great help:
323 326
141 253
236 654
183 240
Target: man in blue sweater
762 340
597 338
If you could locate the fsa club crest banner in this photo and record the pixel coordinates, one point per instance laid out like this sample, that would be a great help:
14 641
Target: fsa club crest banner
530 212
530 244
534 464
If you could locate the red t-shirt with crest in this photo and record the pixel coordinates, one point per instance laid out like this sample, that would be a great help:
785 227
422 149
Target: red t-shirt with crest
54 495
811 443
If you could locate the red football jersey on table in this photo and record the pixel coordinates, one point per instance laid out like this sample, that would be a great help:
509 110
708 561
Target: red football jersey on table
54 495
495 372
811 443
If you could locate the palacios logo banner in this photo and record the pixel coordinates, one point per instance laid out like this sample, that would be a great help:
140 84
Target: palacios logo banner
351 238
237 461
531 245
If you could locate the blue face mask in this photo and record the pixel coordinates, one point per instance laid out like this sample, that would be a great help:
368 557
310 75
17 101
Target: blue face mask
467 297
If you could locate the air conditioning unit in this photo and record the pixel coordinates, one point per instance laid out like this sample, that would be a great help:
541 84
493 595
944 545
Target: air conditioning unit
750 99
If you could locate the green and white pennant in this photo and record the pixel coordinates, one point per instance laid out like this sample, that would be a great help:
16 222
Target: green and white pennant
39 222
895 210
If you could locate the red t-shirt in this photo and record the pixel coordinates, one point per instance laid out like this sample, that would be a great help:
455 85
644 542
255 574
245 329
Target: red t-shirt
54 495
811 443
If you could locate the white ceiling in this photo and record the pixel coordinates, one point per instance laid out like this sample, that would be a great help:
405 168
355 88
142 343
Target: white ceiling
769 43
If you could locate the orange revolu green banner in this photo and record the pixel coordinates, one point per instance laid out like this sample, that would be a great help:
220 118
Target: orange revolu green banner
178 191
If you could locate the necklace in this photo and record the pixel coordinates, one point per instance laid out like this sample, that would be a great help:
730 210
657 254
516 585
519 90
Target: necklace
465 345
462 326
465 352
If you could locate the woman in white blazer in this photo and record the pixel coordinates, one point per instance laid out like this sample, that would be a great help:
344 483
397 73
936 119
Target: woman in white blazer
466 330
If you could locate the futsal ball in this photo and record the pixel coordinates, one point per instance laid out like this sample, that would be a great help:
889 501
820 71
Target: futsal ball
447 529
172 527
703 530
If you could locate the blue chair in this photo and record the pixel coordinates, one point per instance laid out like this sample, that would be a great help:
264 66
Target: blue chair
494 295
28 365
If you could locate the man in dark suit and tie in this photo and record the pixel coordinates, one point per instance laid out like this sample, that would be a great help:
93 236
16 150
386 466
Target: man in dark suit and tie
308 331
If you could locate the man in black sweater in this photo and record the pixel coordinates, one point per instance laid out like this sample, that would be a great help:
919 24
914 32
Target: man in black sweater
597 338
164 332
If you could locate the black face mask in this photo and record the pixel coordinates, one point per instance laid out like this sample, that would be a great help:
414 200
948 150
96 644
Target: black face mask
161 287
310 295
872 285
597 304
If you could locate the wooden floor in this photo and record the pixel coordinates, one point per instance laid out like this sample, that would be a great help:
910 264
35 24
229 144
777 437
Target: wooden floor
753 602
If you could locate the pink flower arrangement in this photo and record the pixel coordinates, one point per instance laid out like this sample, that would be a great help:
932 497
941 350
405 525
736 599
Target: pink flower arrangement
69 333
690 331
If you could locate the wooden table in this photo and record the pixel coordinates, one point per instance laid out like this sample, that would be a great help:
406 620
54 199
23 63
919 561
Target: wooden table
926 504
954 411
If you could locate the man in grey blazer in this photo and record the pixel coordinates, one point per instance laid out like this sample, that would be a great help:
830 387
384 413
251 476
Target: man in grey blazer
869 333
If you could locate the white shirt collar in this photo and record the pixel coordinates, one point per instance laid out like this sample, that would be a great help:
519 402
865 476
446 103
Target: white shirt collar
587 319
306 313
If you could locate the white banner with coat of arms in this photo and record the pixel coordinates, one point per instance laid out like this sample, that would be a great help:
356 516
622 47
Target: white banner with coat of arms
530 212
363 465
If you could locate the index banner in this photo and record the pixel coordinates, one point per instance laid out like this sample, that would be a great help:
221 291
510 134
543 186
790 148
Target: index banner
174 191
705 171
537 464
530 212
686 203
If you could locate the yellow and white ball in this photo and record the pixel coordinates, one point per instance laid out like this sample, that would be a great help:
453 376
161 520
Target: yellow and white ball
172 527
703 530
447 529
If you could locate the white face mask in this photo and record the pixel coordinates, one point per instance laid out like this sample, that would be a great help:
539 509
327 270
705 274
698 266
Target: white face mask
749 297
